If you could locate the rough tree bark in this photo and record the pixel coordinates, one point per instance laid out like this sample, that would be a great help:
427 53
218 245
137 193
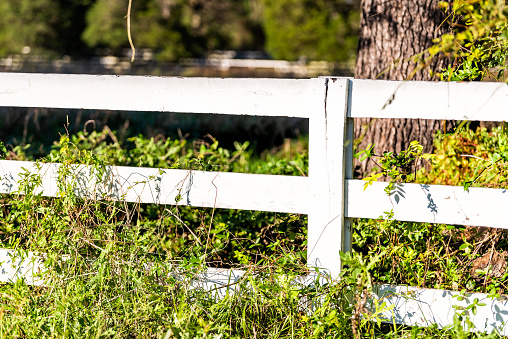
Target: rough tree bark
391 32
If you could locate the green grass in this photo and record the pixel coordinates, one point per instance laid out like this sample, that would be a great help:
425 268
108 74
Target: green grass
115 282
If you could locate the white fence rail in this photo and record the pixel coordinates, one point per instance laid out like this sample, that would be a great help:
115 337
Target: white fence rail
329 196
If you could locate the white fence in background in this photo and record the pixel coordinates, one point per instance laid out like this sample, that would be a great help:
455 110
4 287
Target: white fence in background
329 196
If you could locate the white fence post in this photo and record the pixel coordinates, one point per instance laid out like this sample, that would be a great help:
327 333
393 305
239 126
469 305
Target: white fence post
327 134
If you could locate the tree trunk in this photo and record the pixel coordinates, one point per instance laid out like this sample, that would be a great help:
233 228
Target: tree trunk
391 33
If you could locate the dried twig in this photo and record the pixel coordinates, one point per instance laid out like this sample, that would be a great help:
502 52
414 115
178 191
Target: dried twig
129 30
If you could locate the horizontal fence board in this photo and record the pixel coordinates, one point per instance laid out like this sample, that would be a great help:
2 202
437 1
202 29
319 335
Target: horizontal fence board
429 203
288 194
268 97
415 306
430 100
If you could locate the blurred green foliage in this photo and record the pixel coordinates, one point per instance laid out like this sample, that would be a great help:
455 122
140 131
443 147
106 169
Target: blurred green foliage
46 26
181 28
176 29
316 30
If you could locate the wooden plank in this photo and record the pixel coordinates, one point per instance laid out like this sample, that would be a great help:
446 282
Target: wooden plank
423 307
430 100
429 203
168 186
327 133
269 97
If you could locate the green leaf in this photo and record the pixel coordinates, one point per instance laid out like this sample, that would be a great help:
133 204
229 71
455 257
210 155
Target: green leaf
467 184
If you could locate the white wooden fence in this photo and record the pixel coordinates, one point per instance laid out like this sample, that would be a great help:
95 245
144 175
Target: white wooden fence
328 195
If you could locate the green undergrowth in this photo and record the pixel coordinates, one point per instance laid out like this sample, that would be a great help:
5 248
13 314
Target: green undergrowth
177 229
161 152
446 256
125 270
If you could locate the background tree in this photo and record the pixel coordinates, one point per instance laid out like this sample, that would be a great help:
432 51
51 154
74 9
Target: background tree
315 29
106 24
392 34
46 26
174 28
